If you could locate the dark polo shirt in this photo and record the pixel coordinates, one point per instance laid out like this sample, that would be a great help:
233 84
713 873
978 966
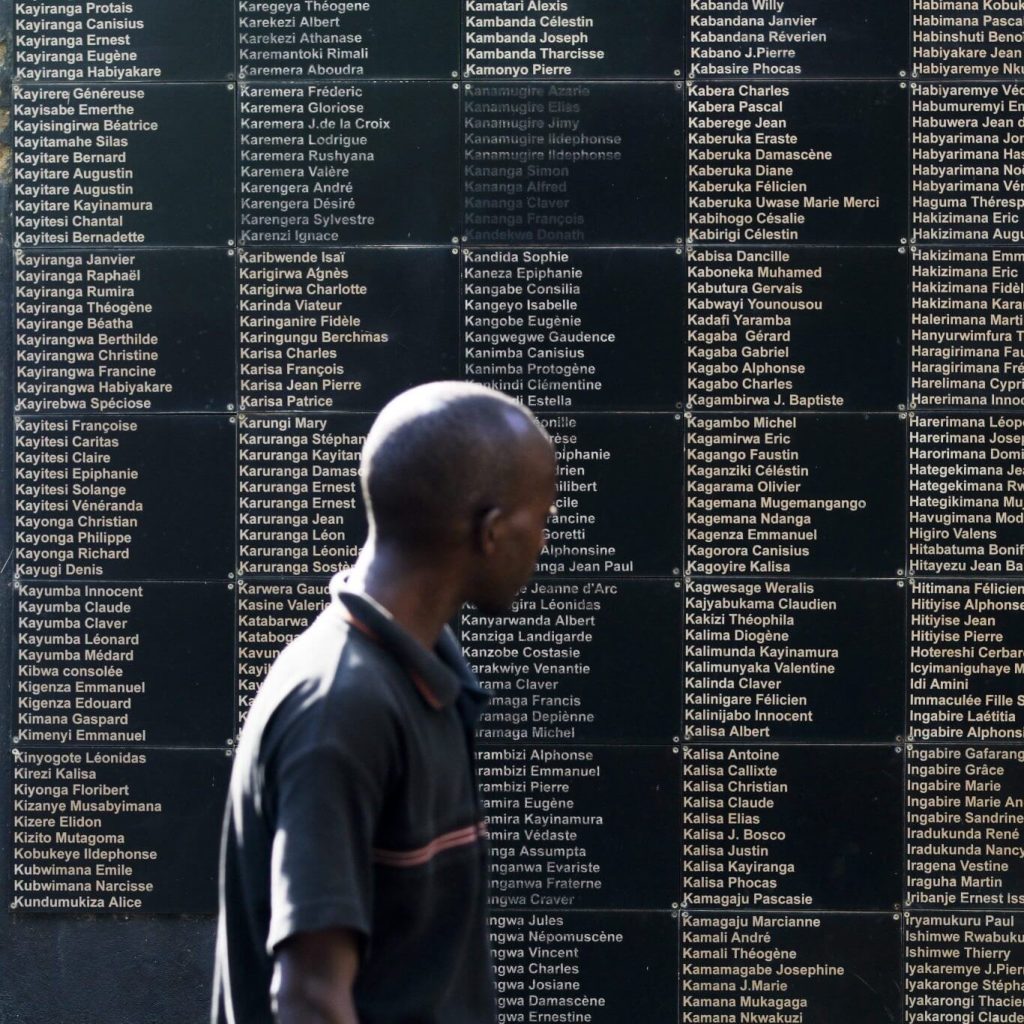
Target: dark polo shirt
353 805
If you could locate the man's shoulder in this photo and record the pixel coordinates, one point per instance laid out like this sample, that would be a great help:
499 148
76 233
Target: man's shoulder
329 683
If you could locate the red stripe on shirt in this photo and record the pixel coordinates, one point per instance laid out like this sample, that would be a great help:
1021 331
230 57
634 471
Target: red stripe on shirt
448 841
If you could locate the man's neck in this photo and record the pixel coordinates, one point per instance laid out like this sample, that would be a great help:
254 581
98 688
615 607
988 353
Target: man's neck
420 597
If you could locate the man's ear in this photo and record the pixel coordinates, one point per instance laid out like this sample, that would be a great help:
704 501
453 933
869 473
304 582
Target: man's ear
488 530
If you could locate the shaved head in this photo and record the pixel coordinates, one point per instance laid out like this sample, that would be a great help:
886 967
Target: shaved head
440 455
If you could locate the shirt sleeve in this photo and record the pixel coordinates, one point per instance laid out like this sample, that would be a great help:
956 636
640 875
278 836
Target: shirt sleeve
321 872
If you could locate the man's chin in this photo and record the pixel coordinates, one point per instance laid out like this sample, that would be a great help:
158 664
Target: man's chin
492 607
499 604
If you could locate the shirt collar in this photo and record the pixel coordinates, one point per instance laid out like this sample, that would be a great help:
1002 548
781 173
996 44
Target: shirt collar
441 676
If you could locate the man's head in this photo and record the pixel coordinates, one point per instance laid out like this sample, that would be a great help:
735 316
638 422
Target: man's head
457 474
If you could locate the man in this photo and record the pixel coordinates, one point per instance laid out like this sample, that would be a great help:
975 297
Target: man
353 874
